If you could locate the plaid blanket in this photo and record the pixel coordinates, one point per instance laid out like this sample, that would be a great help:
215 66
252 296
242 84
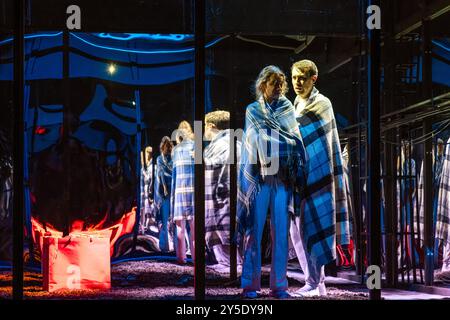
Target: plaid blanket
182 186
323 210
267 128
163 180
347 179
443 206
406 194
217 189
437 172
146 189
6 189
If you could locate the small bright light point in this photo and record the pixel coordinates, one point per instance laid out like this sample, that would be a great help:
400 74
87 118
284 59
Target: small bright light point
112 69
134 103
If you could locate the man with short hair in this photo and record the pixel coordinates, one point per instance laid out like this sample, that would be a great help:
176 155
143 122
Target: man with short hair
218 157
321 220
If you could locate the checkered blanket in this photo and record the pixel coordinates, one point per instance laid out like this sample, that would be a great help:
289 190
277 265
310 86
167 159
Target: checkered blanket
217 189
146 189
347 179
406 196
163 180
443 206
267 128
323 210
182 188
437 172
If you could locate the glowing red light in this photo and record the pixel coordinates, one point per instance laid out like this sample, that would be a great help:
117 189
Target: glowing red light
123 226
40 130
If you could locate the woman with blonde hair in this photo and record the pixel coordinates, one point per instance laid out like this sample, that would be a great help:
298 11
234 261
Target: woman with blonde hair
182 189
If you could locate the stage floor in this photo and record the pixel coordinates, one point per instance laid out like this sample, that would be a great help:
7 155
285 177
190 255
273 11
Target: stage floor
163 279
166 280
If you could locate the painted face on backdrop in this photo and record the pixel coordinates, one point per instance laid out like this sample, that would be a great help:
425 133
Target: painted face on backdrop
302 84
273 88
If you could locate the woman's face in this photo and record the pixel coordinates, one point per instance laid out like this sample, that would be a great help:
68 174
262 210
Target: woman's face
273 88
166 149
148 155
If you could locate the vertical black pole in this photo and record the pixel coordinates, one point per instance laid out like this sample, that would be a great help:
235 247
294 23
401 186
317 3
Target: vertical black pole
389 155
361 229
199 197
233 168
18 205
139 168
67 120
373 207
427 83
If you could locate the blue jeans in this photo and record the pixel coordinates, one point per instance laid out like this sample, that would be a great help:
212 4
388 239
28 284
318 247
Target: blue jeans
274 196
436 241
164 233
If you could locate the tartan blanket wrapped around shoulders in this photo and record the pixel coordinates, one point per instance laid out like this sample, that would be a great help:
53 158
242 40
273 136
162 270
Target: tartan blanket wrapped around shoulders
218 158
163 181
443 206
182 188
270 133
323 211
437 174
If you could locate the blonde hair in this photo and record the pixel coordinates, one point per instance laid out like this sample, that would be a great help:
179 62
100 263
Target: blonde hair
308 67
184 131
220 119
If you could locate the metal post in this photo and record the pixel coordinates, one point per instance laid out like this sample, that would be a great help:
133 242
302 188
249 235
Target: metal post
138 167
356 171
18 205
199 197
374 234
395 207
410 231
427 82
26 173
389 155
66 132
233 168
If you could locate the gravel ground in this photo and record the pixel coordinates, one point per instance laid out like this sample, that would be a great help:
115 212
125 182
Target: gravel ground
156 280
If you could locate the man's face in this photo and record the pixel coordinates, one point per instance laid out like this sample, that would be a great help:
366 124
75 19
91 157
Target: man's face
406 150
148 155
440 149
273 87
209 131
302 84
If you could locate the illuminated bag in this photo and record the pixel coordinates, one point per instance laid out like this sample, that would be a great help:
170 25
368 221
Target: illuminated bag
345 255
78 261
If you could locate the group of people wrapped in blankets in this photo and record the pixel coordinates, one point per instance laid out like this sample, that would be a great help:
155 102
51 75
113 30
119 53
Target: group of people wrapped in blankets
289 163
411 213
